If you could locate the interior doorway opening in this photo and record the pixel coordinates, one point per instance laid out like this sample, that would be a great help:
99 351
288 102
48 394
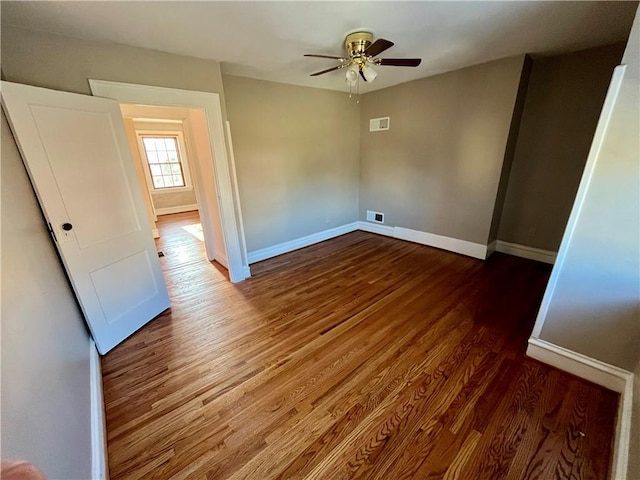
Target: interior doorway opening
169 146
216 180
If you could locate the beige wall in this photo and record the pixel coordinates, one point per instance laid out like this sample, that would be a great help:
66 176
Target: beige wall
65 63
174 199
296 153
439 166
592 305
45 345
563 103
510 148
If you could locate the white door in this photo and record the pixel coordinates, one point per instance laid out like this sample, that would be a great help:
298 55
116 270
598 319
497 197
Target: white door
76 151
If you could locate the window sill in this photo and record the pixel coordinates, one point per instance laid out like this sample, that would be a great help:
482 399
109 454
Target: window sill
165 191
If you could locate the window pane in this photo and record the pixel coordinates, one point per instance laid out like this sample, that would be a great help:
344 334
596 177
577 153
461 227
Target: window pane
155 170
177 181
170 143
159 143
149 144
168 181
173 157
152 157
166 169
162 157
175 169
158 182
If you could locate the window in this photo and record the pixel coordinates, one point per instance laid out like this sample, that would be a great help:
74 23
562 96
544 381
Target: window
163 159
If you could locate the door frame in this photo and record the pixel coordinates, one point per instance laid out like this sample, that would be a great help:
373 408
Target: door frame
209 103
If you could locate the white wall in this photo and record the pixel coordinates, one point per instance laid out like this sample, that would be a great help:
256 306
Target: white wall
45 345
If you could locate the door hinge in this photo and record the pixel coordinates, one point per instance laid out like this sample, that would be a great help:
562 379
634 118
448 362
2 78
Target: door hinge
53 234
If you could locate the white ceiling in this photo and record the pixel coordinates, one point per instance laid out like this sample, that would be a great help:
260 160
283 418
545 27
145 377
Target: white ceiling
267 40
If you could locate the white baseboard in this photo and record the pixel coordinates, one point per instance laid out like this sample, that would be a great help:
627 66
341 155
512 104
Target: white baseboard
178 209
221 258
99 462
456 245
156 232
375 228
475 250
491 247
470 249
600 373
546 256
285 247
246 270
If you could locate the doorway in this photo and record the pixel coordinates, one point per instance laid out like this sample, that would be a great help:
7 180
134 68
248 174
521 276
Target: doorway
167 154
215 176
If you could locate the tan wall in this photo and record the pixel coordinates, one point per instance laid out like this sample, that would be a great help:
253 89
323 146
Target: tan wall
173 199
593 303
510 148
438 168
65 63
45 345
563 103
296 152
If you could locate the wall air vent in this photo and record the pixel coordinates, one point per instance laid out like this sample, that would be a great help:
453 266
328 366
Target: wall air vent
377 124
375 216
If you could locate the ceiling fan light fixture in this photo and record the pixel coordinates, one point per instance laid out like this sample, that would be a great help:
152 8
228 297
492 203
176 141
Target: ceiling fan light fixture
369 73
352 75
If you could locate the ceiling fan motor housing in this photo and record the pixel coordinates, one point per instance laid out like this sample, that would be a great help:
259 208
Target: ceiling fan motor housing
356 43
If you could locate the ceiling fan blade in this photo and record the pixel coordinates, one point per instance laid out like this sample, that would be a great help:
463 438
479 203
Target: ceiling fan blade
322 56
362 75
326 71
377 47
399 62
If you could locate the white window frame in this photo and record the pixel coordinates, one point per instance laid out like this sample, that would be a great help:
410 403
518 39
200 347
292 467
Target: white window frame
182 153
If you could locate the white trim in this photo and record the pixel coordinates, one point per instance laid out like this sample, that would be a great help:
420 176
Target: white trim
600 373
210 104
491 248
155 232
592 158
221 258
375 228
475 250
291 245
177 209
247 272
170 190
456 245
98 425
234 179
532 253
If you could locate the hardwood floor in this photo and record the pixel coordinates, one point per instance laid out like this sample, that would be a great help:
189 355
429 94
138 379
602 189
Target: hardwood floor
360 357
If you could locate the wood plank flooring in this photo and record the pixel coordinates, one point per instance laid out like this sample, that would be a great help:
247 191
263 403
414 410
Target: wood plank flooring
360 357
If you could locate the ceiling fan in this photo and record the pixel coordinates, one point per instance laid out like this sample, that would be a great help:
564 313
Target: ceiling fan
361 57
